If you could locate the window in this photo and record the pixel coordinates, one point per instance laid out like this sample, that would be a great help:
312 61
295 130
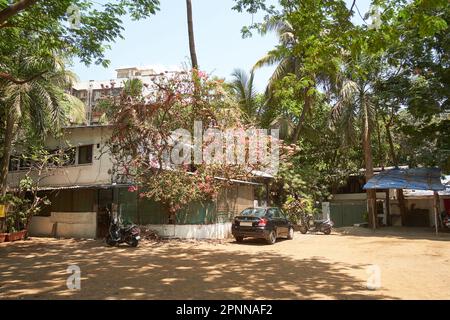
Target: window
254 212
85 154
14 163
25 163
273 213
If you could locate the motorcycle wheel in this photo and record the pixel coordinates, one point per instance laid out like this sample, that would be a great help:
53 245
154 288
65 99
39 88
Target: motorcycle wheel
133 243
303 229
110 242
327 231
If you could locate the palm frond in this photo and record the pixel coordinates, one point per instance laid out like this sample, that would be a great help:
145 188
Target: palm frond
251 93
285 67
282 27
269 59
244 90
239 83
348 91
74 108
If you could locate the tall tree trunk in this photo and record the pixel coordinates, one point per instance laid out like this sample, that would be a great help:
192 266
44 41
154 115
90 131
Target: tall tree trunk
306 107
9 135
371 193
391 145
191 35
394 158
14 9
380 149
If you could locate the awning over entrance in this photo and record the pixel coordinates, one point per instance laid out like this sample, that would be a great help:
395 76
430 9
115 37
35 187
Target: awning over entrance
416 179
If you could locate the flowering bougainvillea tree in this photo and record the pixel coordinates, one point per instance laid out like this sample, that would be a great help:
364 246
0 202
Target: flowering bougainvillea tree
169 138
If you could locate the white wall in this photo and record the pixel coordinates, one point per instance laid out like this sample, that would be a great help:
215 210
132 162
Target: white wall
192 231
426 203
85 174
40 227
79 225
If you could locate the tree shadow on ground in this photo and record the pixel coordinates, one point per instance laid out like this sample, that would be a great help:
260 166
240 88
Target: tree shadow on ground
412 233
36 269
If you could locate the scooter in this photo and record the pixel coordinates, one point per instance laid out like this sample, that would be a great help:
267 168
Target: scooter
118 233
309 224
445 219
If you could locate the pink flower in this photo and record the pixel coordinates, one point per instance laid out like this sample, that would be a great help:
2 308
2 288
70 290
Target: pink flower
132 189
201 74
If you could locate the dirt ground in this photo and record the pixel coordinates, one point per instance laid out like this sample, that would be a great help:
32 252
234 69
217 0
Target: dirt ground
413 264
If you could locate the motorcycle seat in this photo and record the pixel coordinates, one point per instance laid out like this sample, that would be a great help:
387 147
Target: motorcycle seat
321 221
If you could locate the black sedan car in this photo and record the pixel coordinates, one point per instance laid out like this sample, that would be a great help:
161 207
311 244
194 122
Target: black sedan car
265 223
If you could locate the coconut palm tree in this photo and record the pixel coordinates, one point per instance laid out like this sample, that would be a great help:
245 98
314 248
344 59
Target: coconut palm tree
40 103
133 88
354 110
286 62
243 88
191 35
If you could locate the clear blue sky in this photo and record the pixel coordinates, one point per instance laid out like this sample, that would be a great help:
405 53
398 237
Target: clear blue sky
162 40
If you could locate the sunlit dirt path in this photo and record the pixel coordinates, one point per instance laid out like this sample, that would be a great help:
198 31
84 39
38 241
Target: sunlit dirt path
413 264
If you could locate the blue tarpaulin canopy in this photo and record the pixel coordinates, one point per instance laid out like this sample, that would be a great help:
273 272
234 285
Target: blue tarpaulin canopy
416 179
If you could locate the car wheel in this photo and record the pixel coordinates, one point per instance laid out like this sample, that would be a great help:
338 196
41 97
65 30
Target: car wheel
290 235
272 238
303 229
239 239
327 231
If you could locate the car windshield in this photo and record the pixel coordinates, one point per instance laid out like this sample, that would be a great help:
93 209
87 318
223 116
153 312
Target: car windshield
256 212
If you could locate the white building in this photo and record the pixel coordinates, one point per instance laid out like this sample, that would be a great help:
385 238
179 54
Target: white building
86 185
91 91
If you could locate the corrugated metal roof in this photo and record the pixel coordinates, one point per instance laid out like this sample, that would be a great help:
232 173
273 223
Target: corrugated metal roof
86 186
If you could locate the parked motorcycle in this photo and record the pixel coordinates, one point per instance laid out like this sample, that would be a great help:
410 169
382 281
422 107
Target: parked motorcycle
309 224
445 219
120 233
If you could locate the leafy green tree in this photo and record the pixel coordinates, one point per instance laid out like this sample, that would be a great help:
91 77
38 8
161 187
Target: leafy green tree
80 28
40 104
133 88
355 109
320 164
412 91
313 35
398 95
286 61
32 81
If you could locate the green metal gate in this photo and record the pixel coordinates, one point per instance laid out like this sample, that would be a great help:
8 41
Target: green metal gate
347 213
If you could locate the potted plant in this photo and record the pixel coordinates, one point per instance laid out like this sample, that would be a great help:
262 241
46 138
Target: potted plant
15 217
16 221
3 209
25 202
22 206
